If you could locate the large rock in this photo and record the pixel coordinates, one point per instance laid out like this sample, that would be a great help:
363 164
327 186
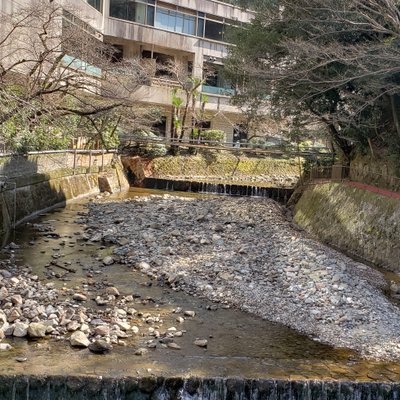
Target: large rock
20 329
4 325
37 330
100 346
79 339
3 293
113 291
79 297
108 260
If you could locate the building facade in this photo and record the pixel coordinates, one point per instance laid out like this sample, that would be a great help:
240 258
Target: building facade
192 33
189 32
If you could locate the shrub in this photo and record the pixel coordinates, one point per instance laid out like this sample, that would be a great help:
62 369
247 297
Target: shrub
210 136
149 149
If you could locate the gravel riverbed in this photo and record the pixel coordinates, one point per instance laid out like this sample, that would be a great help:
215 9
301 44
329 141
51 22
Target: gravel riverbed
244 253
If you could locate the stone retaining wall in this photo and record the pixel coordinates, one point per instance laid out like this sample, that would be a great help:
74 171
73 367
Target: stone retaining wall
355 220
383 173
33 183
216 166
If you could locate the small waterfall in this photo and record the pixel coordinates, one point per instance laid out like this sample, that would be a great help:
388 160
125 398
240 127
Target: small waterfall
279 194
105 388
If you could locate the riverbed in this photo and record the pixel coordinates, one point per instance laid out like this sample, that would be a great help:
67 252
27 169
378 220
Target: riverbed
238 343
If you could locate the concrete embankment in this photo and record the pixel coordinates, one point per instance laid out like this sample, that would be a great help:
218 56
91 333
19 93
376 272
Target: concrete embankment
355 220
36 182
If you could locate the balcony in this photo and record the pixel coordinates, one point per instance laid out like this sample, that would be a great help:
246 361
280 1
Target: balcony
219 91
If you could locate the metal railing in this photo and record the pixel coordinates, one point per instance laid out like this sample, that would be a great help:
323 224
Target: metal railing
339 173
131 142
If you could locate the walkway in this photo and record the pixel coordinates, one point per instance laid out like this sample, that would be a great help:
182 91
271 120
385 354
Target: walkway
374 189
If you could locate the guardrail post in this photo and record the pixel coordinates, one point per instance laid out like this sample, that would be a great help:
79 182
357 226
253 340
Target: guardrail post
90 161
74 165
102 160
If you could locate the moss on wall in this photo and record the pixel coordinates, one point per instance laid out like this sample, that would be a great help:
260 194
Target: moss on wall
221 166
383 173
39 191
355 220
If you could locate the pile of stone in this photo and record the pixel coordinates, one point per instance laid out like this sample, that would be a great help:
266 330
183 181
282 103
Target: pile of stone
245 253
34 310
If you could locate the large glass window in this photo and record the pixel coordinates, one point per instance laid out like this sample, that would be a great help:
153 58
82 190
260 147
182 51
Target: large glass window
214 30
128 10
149 12
175 21
150 15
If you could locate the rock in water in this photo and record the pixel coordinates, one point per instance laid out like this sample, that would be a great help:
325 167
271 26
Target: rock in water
108 260
113 291
100 346
20 329
5 346
141 352
201 342
79 297
189 314
79 339
37 330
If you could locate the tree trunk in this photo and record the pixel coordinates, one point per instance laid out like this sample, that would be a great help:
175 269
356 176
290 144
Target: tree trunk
344 146
394 113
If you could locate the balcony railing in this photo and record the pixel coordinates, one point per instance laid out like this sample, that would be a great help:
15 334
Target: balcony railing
220 91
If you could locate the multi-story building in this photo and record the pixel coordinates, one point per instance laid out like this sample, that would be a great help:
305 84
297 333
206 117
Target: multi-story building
188 32
192 32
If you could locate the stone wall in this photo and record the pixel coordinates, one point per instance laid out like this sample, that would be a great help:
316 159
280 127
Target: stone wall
35 182
355 220
216 166
378 172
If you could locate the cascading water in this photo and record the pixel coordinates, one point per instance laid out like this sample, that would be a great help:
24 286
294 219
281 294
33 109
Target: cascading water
85 388
226 189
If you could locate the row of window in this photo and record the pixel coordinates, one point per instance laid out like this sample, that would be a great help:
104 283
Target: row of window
147 12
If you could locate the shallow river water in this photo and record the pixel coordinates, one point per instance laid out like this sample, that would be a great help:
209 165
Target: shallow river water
239 344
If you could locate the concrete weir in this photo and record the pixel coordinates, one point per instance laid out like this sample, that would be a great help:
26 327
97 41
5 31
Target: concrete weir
281 195
82 388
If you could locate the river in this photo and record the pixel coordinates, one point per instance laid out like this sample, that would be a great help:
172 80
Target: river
239 343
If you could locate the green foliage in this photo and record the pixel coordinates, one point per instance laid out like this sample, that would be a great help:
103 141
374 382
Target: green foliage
150 150
210 136
41 135
322 62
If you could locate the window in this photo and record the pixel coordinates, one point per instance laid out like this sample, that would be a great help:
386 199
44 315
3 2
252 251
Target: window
97 4
129 10
150 15
214 30
162 61
200 27
215 82
175 21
